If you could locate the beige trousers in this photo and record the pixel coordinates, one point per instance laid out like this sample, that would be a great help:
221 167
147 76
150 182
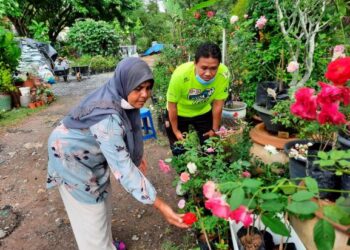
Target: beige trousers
91 223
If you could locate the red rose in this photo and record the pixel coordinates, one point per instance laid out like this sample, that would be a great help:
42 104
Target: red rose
338 71
330 114
210 14
189 218
329 94
346 95
197 15
305 105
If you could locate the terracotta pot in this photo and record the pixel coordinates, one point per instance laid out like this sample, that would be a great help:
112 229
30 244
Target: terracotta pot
31 105
28 83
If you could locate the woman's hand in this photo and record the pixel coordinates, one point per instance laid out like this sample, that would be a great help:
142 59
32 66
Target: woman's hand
172 217
210 133
143 167
179 136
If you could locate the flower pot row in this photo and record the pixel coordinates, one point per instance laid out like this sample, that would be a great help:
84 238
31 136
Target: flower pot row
33 105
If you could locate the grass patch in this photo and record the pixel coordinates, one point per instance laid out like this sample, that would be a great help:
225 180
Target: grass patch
14 116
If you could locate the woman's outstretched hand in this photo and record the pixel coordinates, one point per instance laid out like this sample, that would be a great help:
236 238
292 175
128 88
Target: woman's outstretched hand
172 217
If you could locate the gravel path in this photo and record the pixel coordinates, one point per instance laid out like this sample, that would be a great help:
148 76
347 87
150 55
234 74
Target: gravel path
80 88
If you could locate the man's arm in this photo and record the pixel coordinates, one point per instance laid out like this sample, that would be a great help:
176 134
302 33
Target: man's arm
216 111
172 110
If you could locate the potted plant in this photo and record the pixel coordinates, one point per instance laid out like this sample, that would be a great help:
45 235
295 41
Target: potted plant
323 114
6 87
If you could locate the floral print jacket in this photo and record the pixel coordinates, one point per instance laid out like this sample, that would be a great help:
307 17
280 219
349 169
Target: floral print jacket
82 160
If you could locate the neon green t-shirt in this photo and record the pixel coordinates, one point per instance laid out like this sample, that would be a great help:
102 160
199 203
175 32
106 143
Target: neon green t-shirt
192 97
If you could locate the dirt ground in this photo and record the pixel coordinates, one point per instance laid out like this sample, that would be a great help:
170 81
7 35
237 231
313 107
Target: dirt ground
43 223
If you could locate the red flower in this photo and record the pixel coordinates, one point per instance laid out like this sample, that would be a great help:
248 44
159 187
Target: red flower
338 71
329 94
346 95
189 218
218 207
235 114
330 114
242 214
305 105
197 15
210 14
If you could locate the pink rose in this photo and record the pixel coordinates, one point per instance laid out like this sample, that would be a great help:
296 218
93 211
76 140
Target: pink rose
233 19
210 14
210 150
242 214
330 114
261 22
218 207
185 177
181 203
246 174
292 66
209 190
165 168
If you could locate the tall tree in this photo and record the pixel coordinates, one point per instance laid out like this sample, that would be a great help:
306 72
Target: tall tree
61 13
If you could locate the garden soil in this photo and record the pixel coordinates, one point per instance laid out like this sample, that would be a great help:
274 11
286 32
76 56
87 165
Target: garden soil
41 221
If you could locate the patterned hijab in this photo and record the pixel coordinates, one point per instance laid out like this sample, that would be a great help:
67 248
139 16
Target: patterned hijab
106 100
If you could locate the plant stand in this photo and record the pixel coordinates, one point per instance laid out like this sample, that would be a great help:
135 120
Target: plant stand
277 239
260 138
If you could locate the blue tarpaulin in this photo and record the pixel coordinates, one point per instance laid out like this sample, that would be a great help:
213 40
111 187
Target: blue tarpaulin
154 49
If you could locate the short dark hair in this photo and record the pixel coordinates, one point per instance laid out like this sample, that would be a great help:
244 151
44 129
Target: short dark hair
207 50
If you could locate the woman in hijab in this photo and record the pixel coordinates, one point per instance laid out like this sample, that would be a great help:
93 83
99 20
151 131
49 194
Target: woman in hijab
102 135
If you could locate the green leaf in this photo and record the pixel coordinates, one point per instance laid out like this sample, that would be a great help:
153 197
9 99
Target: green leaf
311 185
326 163
336 154
324 235
272 206
203 5
302 207
344 204
236 198
252 203
228 186
302 195
336 214
269 196
275 225
251 183
344 163
167 160
288 190
322 155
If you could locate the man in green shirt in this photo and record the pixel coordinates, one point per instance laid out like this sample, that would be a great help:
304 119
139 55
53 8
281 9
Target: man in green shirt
196 95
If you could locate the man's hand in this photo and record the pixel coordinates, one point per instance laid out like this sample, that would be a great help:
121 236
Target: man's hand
179 136
210 133
143 167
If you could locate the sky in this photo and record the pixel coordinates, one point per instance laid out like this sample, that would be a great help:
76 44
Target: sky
160 5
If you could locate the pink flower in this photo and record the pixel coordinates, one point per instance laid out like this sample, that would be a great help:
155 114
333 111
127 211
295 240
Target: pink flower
305 105
210 150
346 95
246 174
209 190
210 14
242 214
329 94
339 49
181 203
235 114
197 15
261 22
185 177
233 19
218 207
330 114
165 168
292 66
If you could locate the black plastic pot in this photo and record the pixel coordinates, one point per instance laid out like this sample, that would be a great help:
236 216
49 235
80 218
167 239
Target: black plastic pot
243 231
343 141
345 183
267 116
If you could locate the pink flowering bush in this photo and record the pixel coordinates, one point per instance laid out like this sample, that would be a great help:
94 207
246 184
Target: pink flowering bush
324 108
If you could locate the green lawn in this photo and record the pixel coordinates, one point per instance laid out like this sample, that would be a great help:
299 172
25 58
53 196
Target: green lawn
15 115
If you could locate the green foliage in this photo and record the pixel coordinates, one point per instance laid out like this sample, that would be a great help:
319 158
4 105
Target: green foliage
5 80
14 116
63 13
337 161
39 31
324 235
93 38
282 115
102 64
241 8
9 50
